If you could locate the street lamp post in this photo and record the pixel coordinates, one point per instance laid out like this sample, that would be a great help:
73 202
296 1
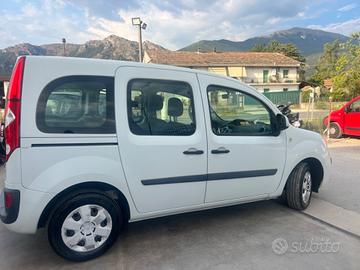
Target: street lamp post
141 25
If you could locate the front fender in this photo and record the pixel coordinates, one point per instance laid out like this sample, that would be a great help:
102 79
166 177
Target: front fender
303 144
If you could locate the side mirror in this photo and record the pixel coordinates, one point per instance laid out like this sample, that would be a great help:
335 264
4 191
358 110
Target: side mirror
347 109
281 122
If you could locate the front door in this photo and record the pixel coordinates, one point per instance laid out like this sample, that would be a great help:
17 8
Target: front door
352 118
246 159
162 140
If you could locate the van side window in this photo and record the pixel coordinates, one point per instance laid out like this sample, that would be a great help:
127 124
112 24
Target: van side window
77 104
235 113
159 107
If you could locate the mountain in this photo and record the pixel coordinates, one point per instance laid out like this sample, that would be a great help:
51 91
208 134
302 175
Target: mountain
112 47
308 41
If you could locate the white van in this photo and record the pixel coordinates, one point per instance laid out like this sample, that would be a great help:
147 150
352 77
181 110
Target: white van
93 144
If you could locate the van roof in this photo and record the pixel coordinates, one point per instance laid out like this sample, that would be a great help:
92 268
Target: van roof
118 63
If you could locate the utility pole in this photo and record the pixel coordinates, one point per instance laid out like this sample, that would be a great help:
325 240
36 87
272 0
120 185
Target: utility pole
140 45
64 46
141 25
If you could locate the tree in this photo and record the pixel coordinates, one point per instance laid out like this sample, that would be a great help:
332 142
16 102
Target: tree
341 63
287 49
259 48
325 68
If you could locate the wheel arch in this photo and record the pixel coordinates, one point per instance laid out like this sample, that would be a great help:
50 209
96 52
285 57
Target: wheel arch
86 187
316 169
336 122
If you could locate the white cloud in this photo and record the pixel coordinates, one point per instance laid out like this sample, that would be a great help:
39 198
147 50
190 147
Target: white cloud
39 23
236 20
347 7
345 28
29 10
163 26
172 24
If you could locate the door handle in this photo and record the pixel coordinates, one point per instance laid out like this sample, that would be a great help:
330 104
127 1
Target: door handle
193 151
221 150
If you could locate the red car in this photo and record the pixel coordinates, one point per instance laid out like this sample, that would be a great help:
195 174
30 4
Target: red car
345 120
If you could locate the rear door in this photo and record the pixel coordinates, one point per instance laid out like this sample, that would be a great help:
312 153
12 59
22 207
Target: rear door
245 159
162 140
352 118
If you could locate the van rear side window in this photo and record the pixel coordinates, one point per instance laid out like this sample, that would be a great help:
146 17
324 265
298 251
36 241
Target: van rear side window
77 104
160 107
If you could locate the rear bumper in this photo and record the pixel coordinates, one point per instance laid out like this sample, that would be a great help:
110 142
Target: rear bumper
31 205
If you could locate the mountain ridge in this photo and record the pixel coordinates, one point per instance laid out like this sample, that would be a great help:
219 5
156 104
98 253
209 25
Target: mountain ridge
111 47
309 41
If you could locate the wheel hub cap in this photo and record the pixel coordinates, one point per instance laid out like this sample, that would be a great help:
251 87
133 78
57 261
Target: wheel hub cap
306 187
86 228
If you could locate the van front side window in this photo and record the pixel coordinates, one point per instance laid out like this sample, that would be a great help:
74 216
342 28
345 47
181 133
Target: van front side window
159 107
77 104
236 113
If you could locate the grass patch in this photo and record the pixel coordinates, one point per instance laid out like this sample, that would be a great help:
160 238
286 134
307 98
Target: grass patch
314 125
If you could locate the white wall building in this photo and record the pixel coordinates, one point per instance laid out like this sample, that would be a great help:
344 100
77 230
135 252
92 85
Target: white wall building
274 74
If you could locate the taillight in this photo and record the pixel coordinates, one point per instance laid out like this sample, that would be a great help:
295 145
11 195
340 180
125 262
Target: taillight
12 109
8 200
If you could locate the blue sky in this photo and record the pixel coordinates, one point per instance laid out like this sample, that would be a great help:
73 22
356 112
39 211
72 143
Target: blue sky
173 24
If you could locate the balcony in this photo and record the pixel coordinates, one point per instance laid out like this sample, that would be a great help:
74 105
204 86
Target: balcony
271 80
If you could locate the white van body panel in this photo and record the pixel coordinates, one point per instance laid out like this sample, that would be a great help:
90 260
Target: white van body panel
247 153
40 173
303 144
157 157
52 169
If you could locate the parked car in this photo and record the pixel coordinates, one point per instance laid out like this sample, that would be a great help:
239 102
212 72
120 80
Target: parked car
346 120
93 144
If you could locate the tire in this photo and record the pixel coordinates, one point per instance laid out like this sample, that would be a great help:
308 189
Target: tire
283 198
85 227
299 187
335 130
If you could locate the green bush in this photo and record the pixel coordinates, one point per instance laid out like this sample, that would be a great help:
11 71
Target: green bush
321 105
315 125
305 96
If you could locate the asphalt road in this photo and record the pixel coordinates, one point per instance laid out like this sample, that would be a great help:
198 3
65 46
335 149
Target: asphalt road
264 235
240 237
343 188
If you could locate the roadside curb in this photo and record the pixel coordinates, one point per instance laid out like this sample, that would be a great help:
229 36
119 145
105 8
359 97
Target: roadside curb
335 216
